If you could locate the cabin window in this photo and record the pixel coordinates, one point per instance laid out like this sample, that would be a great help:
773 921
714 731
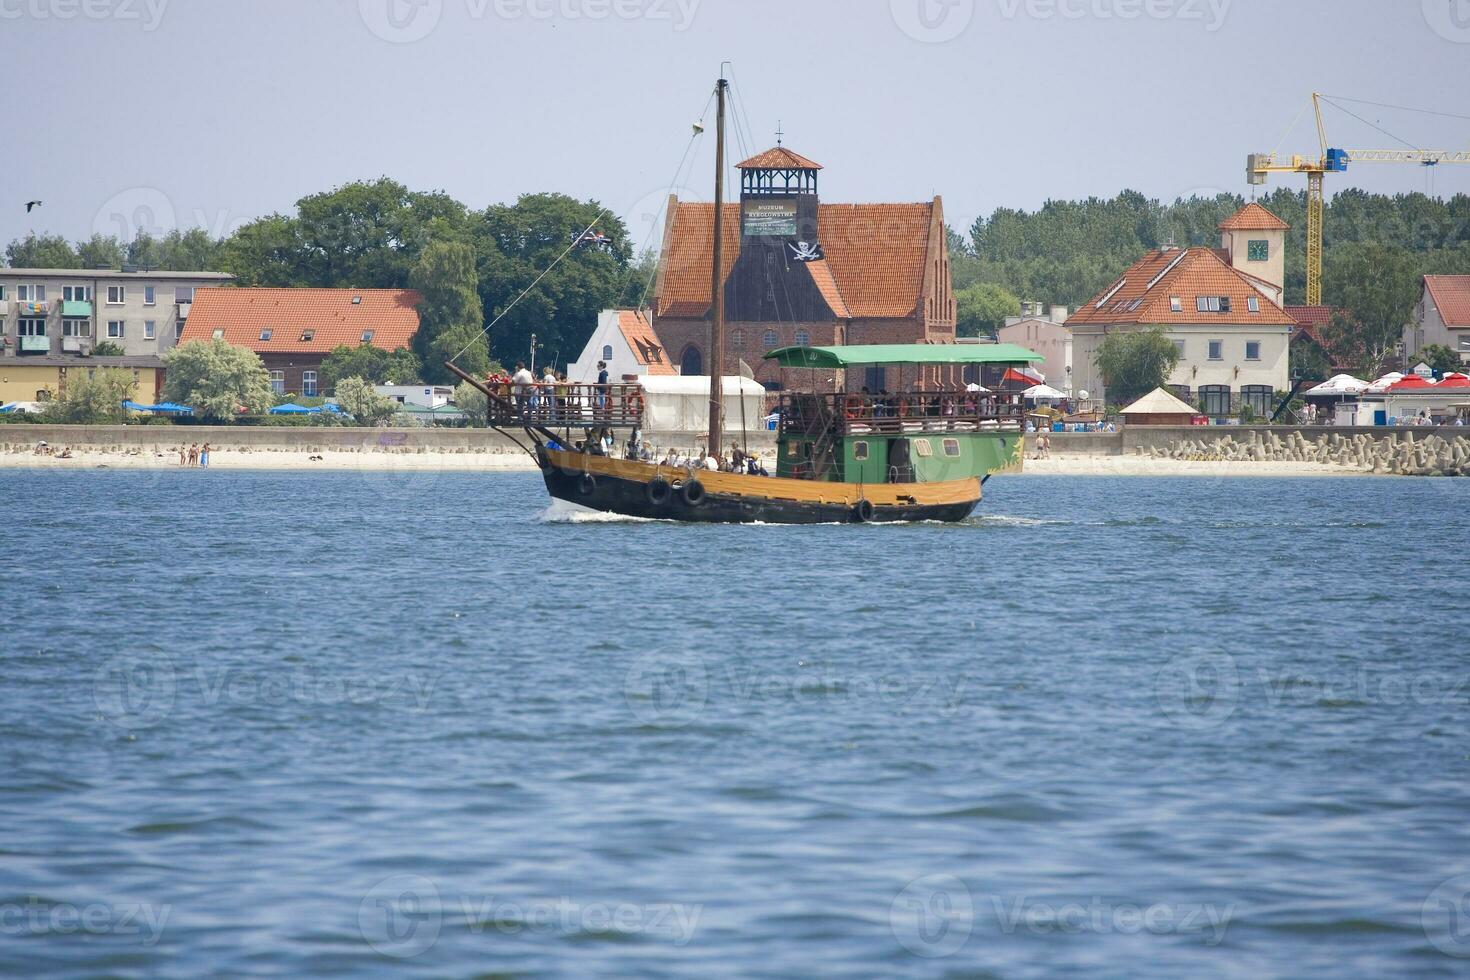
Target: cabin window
860 450
951 447
922 447
791 451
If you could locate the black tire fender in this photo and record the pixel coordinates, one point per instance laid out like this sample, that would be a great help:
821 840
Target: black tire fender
862 511
693 493
659 491
587 486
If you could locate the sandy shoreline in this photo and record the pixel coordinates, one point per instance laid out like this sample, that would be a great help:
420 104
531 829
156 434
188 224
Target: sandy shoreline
515 462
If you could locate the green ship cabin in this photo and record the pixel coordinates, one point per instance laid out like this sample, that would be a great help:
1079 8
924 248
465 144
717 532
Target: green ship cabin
931 435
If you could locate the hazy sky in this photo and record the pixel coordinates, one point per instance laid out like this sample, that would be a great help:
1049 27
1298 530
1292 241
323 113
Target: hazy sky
205 112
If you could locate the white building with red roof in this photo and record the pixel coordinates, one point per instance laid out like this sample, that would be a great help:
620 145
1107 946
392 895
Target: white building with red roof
1442 316
625 341
1232 334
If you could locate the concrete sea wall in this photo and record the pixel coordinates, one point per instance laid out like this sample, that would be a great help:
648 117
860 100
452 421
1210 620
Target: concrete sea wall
307 439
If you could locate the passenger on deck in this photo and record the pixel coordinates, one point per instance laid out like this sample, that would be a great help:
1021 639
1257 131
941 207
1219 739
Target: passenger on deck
523 383
602 380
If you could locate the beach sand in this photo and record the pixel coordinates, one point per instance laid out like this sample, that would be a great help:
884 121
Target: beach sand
1059 464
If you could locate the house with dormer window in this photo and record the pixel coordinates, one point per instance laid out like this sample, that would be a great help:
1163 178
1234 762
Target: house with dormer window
1221 308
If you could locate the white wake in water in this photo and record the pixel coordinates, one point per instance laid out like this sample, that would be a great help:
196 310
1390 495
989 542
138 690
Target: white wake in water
565 512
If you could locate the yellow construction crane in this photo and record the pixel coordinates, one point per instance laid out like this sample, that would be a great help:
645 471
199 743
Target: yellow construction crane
1332 160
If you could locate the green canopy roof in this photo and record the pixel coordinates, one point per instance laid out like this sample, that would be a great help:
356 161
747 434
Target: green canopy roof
858 355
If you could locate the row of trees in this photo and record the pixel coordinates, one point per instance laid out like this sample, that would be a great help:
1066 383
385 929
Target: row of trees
469 265
221 382
1065 251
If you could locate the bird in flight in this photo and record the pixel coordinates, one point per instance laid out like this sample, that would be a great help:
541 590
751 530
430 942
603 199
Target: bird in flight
32 204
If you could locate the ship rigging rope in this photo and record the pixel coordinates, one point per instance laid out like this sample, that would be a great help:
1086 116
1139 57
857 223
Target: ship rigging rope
568 251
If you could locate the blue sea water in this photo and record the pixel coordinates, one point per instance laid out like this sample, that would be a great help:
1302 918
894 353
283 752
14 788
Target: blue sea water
258 724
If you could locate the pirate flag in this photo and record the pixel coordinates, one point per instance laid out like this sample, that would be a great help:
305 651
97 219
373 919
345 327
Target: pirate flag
804 252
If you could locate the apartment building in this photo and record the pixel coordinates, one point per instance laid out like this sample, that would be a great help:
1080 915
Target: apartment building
59 312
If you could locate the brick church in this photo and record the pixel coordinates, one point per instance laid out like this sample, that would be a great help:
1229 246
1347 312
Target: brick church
802 272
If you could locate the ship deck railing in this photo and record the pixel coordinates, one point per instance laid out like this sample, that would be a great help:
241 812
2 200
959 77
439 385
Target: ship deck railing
568 406
900 413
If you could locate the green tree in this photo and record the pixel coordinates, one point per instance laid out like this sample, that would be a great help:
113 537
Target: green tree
981 309
1135 362
1375 286
100 252
371 364
217 379
93 398
188 251
1441 358
108 348
516 243
472 402
364 404
265 252
451 323
145 251
1307 359
43 252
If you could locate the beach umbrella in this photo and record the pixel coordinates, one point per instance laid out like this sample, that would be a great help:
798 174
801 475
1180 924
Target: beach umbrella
1382 384
1043 392
290 409
1341 384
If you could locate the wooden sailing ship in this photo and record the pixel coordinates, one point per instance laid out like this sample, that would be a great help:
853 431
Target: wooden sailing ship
919 454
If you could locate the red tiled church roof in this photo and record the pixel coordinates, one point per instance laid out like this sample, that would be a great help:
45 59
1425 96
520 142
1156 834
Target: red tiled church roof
874 266
330 315
1253 217
1451 296
1144 292
778 158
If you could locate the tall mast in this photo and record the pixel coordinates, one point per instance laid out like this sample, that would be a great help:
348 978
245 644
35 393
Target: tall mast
717 300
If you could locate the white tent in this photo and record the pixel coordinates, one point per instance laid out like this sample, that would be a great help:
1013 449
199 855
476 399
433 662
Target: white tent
1043 393
679 403
1341 384
975 389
